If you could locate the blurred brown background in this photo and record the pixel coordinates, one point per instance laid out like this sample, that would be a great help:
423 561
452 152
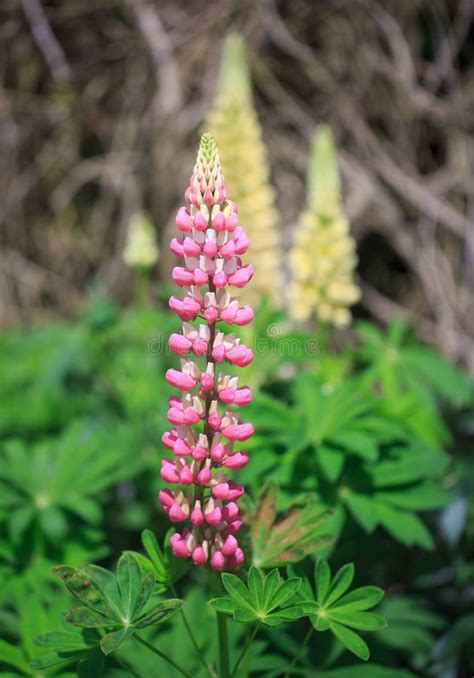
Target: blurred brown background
101 102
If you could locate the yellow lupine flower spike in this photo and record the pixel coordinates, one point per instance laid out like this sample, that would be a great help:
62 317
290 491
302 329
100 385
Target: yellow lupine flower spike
141 249
234 124
323 256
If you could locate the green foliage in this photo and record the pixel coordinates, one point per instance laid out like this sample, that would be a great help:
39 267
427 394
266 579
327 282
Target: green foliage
265 598
352 460
166 567
411 628
44 486
114 602
113 608
340 611
354 456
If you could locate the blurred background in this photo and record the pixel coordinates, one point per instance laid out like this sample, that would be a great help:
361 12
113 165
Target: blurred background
101 103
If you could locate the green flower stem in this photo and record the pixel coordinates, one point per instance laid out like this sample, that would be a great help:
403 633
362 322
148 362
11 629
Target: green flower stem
298 656
191 635
248 642
163 656
141 286
222 630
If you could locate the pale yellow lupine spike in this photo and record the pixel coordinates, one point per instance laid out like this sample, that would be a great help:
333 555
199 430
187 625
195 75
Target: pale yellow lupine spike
233 122
323 257
141 249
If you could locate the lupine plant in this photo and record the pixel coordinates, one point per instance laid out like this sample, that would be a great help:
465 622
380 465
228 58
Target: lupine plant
212 243
201 498
323 254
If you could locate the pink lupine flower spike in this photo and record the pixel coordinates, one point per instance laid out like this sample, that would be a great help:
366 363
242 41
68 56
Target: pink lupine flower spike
204 431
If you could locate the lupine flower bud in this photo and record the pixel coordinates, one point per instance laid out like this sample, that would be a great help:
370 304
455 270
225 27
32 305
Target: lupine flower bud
203 438
234 123
323 256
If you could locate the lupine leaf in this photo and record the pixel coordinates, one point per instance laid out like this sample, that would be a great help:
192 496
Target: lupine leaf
364 621
129 577
112 641
340 583
266 599
340 612
322 577
359 599
352 641
144 593
237 589
155 554
256 584
83 587
286 591
67 640
224 605
161 613
301 530
84 617
107 583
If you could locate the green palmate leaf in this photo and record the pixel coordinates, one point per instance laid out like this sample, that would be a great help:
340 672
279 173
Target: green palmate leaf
266 599
84 617
128 592
161 613
112 641
352 641
341 612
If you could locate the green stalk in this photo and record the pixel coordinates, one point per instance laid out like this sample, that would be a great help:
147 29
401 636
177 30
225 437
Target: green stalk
191 635
245 649
141 286
163 656
298 656
221 630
